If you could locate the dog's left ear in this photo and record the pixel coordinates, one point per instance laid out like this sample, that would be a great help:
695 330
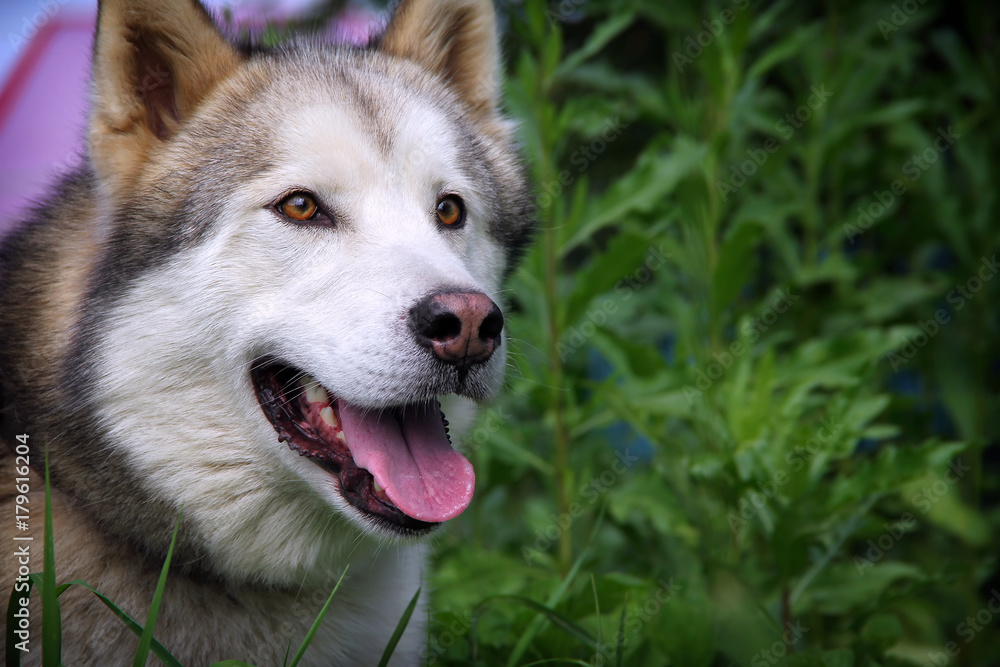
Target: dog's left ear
455 38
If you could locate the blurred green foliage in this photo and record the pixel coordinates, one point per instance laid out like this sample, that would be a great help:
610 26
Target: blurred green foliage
752 406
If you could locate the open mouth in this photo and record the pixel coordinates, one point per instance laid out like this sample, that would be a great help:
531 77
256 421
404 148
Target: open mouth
396 465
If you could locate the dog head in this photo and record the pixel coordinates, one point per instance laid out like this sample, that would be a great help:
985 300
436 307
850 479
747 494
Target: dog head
303 253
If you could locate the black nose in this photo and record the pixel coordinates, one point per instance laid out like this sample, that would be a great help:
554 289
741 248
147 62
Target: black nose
461 327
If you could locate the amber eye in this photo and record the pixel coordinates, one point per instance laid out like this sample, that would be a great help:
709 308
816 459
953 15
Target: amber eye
451 211
299 206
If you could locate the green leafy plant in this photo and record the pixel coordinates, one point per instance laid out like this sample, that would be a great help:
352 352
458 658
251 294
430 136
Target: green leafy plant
756 334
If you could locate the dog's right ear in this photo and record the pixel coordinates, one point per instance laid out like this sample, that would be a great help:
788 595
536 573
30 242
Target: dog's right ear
154 62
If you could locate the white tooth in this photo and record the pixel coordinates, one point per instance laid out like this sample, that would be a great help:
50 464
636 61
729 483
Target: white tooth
314 391
342 437
376 485
326 414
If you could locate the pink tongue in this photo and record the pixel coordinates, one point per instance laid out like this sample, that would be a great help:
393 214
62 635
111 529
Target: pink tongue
408 453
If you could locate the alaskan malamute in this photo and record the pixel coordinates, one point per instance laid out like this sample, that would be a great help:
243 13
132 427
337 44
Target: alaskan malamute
251 302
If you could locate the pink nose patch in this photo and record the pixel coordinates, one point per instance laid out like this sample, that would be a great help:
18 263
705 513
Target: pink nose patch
461 327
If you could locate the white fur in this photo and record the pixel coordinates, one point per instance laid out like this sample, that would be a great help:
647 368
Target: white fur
330 301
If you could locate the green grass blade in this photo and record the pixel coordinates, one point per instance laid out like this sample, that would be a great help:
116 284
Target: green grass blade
12 654
146 638
620 643
158 649
554 599
557 619
400 629
597 609
558 661
51 617
319 621
536 625
602 34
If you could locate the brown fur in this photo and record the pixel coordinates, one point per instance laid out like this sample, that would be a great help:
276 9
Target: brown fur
468 61
152 66
93 635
